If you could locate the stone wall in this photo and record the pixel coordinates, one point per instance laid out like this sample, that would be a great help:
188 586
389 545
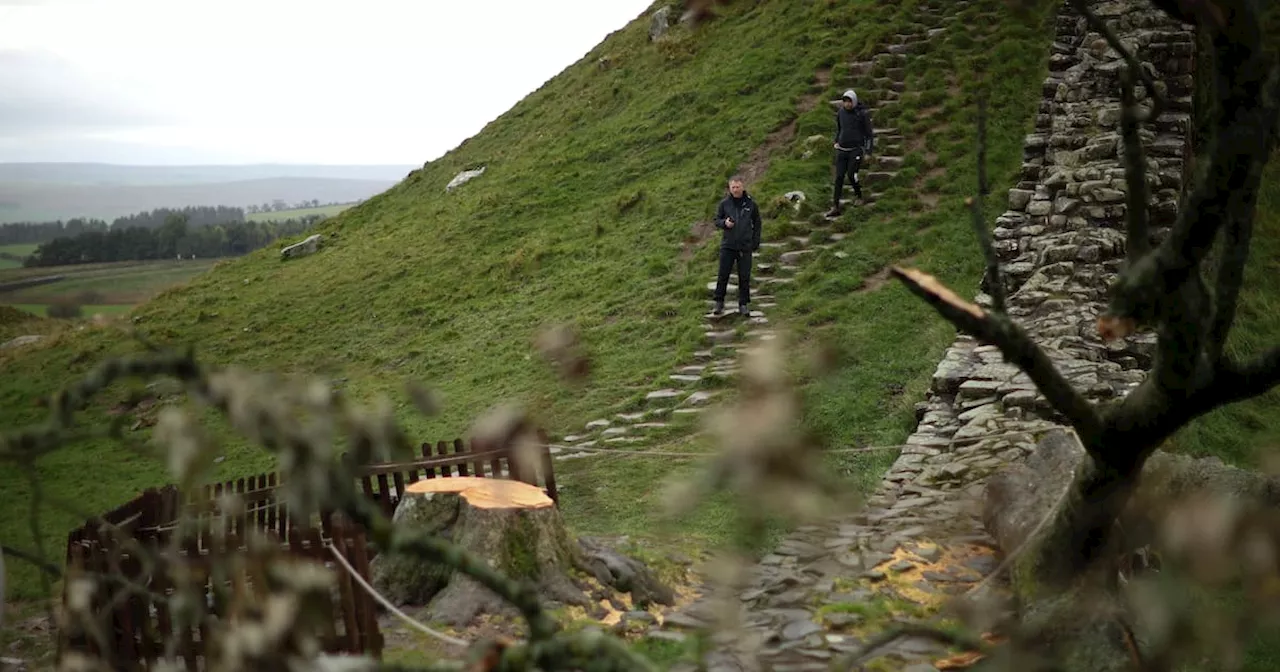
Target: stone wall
1061 242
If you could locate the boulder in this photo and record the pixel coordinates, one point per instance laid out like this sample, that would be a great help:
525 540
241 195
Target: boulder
659 22
20 341
463 178
311 245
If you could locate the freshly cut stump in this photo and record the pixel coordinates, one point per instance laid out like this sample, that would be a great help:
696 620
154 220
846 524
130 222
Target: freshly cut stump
513 526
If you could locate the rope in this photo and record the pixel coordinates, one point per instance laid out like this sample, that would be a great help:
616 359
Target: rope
448 639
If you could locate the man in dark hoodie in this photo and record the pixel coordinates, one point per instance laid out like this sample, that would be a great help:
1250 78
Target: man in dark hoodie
853 140
738 219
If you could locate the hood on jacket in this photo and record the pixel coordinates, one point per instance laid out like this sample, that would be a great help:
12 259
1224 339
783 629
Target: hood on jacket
851 95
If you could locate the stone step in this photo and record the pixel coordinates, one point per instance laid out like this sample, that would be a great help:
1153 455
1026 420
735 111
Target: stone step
878 177
727 336
793 256
698 398
907 48
663 394
684 378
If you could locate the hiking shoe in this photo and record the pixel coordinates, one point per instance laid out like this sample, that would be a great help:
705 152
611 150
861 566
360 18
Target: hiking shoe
743 310
718 309
833 212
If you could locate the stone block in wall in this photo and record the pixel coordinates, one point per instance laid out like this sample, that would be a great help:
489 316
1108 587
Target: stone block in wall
1019 198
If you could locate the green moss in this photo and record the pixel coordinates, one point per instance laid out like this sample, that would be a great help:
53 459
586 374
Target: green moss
519 549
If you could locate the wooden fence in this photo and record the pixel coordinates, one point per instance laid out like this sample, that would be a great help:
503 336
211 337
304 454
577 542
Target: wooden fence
135 624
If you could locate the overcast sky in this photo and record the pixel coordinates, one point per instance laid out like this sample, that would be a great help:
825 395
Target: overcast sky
292 81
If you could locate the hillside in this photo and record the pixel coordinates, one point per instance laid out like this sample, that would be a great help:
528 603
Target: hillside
588 213
43 201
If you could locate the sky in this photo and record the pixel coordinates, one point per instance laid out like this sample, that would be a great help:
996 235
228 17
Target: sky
277 81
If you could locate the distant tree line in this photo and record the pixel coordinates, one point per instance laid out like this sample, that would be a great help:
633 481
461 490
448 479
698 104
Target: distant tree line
176 238
43 232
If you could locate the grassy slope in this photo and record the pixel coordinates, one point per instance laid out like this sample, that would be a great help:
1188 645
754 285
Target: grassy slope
450 288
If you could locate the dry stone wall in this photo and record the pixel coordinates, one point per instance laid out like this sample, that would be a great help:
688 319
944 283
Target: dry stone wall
1061 242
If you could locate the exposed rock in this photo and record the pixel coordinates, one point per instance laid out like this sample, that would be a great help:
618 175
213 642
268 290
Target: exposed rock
659 22
310 245
20 341
464 177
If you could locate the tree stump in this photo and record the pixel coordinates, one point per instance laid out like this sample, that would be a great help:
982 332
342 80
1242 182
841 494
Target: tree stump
513 526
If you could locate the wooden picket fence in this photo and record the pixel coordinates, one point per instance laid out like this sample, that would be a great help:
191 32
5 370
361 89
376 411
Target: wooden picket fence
137 625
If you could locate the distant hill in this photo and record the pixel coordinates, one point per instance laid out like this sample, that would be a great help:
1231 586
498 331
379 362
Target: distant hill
45 201
106 174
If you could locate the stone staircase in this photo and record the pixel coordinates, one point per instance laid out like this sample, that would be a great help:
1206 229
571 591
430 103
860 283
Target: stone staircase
920 540
692 385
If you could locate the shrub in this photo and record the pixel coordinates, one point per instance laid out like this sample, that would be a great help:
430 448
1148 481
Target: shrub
64 309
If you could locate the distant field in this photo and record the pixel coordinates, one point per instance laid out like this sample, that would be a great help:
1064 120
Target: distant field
11 255
327 210
108 287
40 310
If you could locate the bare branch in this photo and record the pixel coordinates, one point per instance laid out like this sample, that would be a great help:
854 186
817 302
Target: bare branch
1237 381
1235 254
1225 189
1014 343
996 283
39 562
1138 242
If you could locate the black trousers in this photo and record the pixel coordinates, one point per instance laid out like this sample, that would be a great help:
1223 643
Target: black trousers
727 260
847 165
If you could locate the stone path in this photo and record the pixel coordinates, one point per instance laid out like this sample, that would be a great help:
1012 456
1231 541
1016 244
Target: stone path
692 385
829 588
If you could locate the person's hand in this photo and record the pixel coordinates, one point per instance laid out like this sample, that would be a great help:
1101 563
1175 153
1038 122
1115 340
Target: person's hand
728 222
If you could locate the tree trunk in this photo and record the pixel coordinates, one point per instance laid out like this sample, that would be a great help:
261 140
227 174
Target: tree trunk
1039 503
518 530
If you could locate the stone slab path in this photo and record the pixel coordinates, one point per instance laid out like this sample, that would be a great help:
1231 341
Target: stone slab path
693 385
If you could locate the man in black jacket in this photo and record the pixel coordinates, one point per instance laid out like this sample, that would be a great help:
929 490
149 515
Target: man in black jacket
738 219
853 139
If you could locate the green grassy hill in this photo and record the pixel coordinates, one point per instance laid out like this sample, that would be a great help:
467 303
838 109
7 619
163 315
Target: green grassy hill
593 186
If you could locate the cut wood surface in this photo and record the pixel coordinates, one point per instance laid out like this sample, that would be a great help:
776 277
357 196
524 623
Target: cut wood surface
486 493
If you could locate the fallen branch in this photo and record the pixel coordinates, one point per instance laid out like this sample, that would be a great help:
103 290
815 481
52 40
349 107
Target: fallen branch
1014 343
